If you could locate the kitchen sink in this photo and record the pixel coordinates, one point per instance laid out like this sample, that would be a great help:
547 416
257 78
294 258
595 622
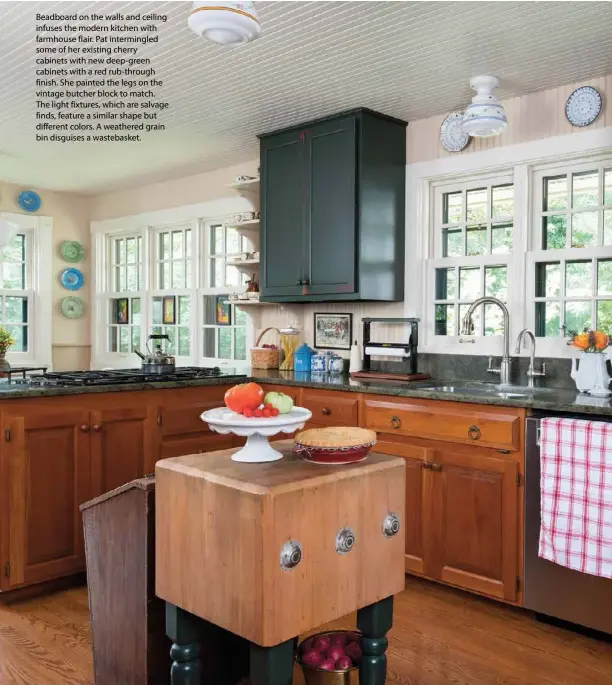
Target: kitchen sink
487 389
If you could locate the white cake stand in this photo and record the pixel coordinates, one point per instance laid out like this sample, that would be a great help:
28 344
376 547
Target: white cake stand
256 430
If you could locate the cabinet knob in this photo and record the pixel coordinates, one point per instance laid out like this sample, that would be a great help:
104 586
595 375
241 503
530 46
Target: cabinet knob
395 422
306 282
85 428
97 427
436 467
300 281
290 555
326 411
474 432
391 525
345 541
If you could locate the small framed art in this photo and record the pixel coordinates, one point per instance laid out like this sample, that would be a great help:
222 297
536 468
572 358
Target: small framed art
333 331
224 311
169 309
122 310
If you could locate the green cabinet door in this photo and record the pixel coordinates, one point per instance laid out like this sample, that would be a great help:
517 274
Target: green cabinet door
282 202
330 207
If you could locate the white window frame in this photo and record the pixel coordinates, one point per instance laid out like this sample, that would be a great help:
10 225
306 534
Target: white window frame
557 347
39 233
200 216
523 160
207 289
433 241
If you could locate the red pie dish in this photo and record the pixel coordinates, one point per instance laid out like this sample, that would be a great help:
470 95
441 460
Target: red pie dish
337 445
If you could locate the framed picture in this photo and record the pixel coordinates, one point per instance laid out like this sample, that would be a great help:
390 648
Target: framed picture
333 331
169 309
224 311
122 310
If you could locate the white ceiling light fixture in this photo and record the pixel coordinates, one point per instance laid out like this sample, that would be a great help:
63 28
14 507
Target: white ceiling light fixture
485 116
225 23
7 232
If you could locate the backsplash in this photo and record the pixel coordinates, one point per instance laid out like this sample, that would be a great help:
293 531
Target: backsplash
451 367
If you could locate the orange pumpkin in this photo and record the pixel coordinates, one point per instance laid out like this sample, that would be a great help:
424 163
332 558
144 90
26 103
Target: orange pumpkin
244 396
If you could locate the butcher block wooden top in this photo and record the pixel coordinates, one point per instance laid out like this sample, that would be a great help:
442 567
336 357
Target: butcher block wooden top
220 527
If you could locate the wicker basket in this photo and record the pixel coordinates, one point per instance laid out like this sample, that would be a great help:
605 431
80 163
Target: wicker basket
264 357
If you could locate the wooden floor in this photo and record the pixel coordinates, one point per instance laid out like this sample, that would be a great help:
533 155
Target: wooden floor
440 637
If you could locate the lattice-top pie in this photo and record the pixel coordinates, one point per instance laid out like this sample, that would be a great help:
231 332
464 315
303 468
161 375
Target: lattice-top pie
337 437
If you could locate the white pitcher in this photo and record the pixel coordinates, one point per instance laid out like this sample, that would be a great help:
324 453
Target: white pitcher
591 372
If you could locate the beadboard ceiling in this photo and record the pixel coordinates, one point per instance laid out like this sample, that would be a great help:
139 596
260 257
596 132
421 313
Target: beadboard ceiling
408 59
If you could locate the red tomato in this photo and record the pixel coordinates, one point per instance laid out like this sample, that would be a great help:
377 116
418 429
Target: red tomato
248 412
267 412
258 413
275 411
244 396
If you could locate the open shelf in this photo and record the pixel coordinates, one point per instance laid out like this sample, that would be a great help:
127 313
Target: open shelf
251 225
251 303
243 263
248 187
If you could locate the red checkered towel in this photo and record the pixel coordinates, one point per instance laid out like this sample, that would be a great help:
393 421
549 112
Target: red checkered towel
576 494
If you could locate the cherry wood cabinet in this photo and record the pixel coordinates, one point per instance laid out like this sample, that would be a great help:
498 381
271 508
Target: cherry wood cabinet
464 464
46 461
463 498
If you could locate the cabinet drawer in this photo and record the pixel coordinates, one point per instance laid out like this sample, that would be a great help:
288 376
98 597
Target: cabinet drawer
331 408
467 423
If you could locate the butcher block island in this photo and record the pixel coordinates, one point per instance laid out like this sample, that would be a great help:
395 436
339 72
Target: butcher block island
270 551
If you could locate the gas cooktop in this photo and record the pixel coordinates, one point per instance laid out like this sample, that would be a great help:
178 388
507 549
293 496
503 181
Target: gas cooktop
119 376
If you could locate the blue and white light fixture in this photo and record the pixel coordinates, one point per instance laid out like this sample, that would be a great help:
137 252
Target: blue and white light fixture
225 23
485 116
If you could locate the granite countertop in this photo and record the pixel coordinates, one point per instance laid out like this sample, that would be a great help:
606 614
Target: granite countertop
540 399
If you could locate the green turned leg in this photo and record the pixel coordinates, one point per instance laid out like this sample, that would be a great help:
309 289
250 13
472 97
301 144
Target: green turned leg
184 629
374 621
272 665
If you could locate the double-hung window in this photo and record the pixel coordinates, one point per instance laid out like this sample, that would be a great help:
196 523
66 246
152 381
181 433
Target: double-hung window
174 280
472 243
571 260
25 290
125 258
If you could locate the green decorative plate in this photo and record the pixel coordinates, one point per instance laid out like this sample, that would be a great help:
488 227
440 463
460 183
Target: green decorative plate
72 251
72 307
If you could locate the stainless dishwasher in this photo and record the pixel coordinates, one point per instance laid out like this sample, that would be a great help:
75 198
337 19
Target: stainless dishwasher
551 589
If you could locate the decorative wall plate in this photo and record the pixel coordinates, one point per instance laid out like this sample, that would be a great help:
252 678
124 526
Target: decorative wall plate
72 307
452 136
72 251
71 279
583 106
29 201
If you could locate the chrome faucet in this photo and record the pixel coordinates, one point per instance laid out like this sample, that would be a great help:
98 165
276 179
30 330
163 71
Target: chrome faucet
467 328
531 372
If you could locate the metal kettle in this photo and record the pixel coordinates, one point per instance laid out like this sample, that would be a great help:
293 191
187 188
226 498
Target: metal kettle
156 361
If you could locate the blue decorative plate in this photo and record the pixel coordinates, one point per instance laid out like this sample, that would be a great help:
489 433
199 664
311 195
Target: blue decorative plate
583 106
71 279
29 201
452 137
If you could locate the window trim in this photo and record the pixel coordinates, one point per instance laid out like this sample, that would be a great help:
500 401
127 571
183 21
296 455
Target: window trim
560 153
39 281
201 216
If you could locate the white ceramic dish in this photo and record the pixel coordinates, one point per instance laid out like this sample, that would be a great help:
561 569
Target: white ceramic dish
256 430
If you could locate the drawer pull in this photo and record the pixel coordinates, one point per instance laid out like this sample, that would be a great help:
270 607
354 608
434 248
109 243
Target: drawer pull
84 428
326 411
391 525
474 432
436 467
395 422
290 555
97 427
345 541
427 465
